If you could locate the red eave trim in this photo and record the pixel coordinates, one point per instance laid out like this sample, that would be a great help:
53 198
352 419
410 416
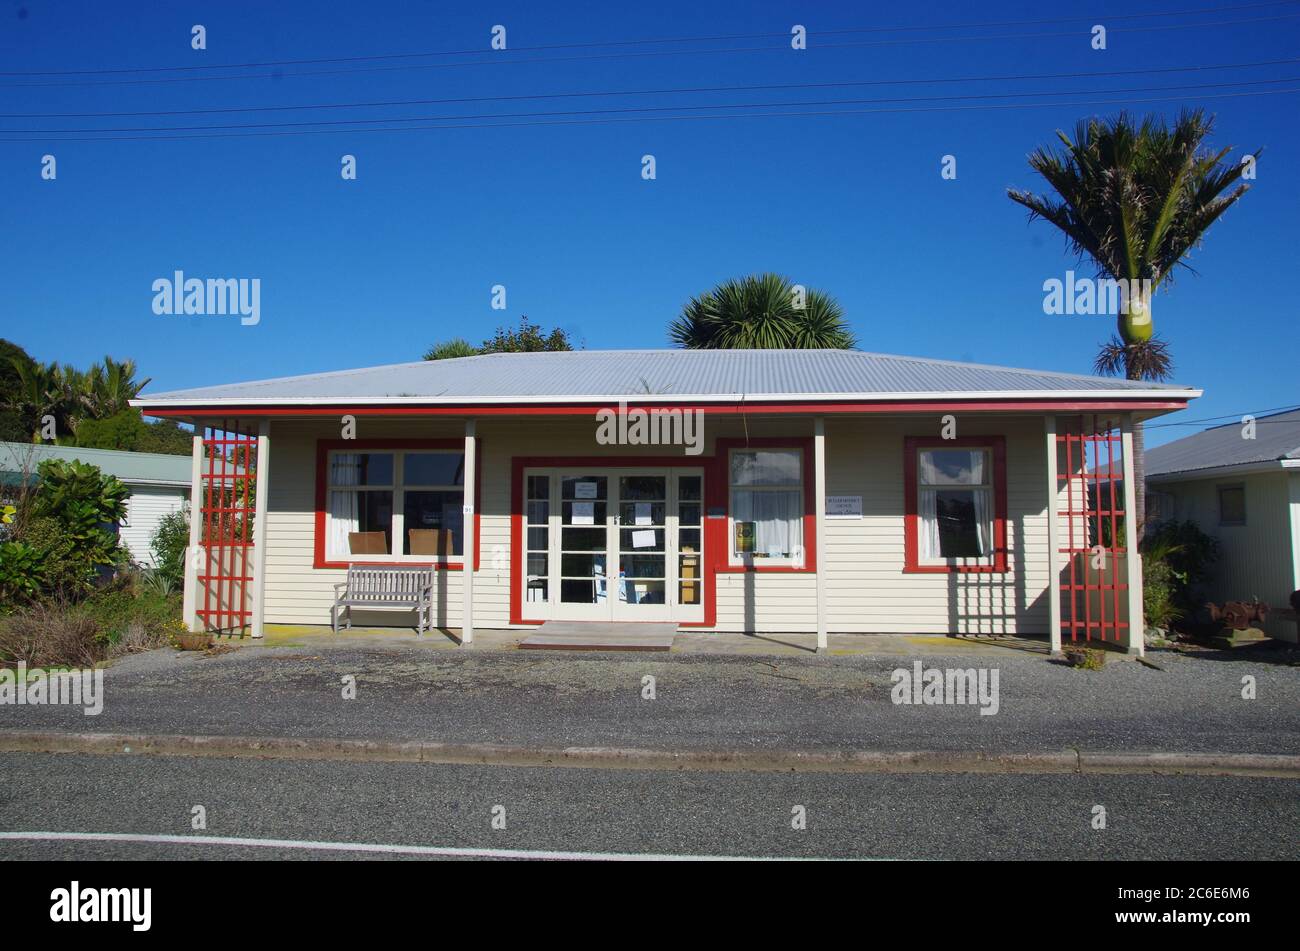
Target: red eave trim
722 409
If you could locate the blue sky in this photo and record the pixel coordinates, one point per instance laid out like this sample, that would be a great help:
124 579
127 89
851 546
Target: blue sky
372 271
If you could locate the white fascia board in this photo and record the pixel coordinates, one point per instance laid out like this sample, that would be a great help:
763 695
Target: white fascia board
636 398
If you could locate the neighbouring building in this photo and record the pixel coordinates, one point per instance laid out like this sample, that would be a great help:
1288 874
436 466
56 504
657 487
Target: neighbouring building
757 491
1240 483
159 484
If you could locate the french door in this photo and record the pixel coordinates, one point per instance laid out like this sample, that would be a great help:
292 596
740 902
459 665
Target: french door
614 544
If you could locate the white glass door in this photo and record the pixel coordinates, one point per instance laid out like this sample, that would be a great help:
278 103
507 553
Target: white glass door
614 544
642 559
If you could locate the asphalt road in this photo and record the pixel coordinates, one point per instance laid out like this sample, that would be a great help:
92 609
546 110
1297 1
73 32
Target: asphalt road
558 699
625 811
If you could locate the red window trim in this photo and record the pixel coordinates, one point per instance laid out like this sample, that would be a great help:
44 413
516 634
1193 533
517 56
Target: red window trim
720 492
323 449
912 445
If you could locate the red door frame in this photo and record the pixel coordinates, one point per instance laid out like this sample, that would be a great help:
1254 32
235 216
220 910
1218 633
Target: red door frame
716 491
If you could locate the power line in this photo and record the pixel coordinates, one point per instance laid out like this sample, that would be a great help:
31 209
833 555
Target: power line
1234 418
627 119
651 92
649 109
499 60
653 40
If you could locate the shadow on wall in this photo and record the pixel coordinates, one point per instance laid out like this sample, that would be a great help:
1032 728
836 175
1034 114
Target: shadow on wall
990 603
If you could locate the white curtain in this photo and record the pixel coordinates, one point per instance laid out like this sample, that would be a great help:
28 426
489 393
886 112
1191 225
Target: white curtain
928 512
776 517
345 469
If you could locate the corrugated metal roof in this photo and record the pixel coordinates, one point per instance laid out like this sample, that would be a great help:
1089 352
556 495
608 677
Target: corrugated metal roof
1276 437
664 375
133 468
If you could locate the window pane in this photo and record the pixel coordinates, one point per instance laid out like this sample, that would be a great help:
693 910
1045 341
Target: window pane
439 519
961 534
367 512
767 524
539 511
361 468
953 467
582 566
643 566
649 539
539 487
765 467
434 468
688 488
1232 505
537 539
582 539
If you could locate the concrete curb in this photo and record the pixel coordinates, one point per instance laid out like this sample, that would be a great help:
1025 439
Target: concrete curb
833 761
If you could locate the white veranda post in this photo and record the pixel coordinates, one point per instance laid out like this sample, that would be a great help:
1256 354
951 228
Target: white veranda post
1053 537
1132 540
190 602
467 533
819 493
262 473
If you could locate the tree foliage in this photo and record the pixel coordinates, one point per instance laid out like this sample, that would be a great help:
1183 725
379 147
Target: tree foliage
762 312
526 338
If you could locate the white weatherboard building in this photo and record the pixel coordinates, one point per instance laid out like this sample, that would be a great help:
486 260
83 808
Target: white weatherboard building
159 484
829 491
1240 483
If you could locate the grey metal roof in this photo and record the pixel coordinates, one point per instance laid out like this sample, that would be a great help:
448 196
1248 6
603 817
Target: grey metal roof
661 375
1277 437
133 468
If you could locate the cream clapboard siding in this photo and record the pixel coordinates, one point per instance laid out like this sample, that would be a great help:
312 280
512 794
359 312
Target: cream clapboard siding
145 508
867 589
1258 559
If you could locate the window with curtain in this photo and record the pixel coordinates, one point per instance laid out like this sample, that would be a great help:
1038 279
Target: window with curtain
415 500
954 504
767 505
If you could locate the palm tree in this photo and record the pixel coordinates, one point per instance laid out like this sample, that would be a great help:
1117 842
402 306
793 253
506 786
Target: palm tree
762 312
1136 198
109 388
48 389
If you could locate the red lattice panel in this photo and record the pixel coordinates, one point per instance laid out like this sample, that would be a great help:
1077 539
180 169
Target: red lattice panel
1090 475
226 534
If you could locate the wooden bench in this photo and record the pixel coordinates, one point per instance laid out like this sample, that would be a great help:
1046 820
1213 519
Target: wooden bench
385 586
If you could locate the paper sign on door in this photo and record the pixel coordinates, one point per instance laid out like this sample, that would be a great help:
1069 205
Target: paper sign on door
584 513
643 539
584 490
643 513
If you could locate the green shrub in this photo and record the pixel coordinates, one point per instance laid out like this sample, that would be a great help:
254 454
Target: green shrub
120 612
1176 562
67 573
169 544
1158 593
22 573
72 519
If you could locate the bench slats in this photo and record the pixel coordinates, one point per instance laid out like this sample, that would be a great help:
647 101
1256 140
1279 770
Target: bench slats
386 586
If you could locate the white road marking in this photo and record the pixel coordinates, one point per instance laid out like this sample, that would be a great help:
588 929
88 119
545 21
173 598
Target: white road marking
386 848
